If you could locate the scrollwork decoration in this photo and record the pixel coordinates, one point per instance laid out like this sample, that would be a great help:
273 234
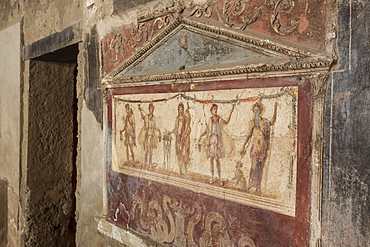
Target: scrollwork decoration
254 18
285 7
205 11
234 14
160 23
140 32
144 32
117 48
239 7
232 9
237 11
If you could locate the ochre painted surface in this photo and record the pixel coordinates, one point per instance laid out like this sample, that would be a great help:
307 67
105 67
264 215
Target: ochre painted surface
241 140
168 193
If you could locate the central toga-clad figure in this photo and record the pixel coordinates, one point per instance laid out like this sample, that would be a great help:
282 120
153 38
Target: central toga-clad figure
182 132
215 140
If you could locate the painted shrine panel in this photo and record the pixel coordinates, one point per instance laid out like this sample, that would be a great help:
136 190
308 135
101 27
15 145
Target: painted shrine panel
196 166
240 145
209 125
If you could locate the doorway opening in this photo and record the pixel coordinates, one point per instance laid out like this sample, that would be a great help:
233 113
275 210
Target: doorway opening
3 212
52 149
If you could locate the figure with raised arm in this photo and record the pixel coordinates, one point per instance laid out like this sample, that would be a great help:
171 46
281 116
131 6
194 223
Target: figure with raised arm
215 148
258 136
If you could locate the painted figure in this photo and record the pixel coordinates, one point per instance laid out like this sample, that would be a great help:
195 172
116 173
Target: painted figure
215 140
259 134
182 133
129 133
149 134
239 177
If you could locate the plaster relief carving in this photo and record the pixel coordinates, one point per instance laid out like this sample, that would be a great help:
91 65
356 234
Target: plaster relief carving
282 7
239 14
230 11
319 84
140 33
204 139
117 48
287 19
145 31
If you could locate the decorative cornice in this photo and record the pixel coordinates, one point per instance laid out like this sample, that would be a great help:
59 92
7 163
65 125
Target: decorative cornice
300 68
152 31
300 59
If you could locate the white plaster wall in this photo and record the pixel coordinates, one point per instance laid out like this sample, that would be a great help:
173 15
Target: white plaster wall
10 77
92 179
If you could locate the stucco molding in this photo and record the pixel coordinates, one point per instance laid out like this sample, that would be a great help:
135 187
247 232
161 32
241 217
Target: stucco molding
299 60
318 88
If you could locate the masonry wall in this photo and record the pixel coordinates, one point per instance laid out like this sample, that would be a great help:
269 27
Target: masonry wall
50 211
10 125
346 178
345 212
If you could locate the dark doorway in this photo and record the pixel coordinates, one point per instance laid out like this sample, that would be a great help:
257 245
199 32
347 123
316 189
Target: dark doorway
3 212
52 149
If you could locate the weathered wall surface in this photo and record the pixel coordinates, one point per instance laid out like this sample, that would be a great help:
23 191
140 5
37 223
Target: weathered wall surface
10 82
11 12
346 177
43 18
90 160
90 193
346 183
117 47
91 197
49 211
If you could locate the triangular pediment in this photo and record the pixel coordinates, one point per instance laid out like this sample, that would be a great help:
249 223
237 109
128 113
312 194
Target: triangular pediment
188 50
195 50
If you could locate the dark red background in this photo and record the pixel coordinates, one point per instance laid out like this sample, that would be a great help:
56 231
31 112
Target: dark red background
264 227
